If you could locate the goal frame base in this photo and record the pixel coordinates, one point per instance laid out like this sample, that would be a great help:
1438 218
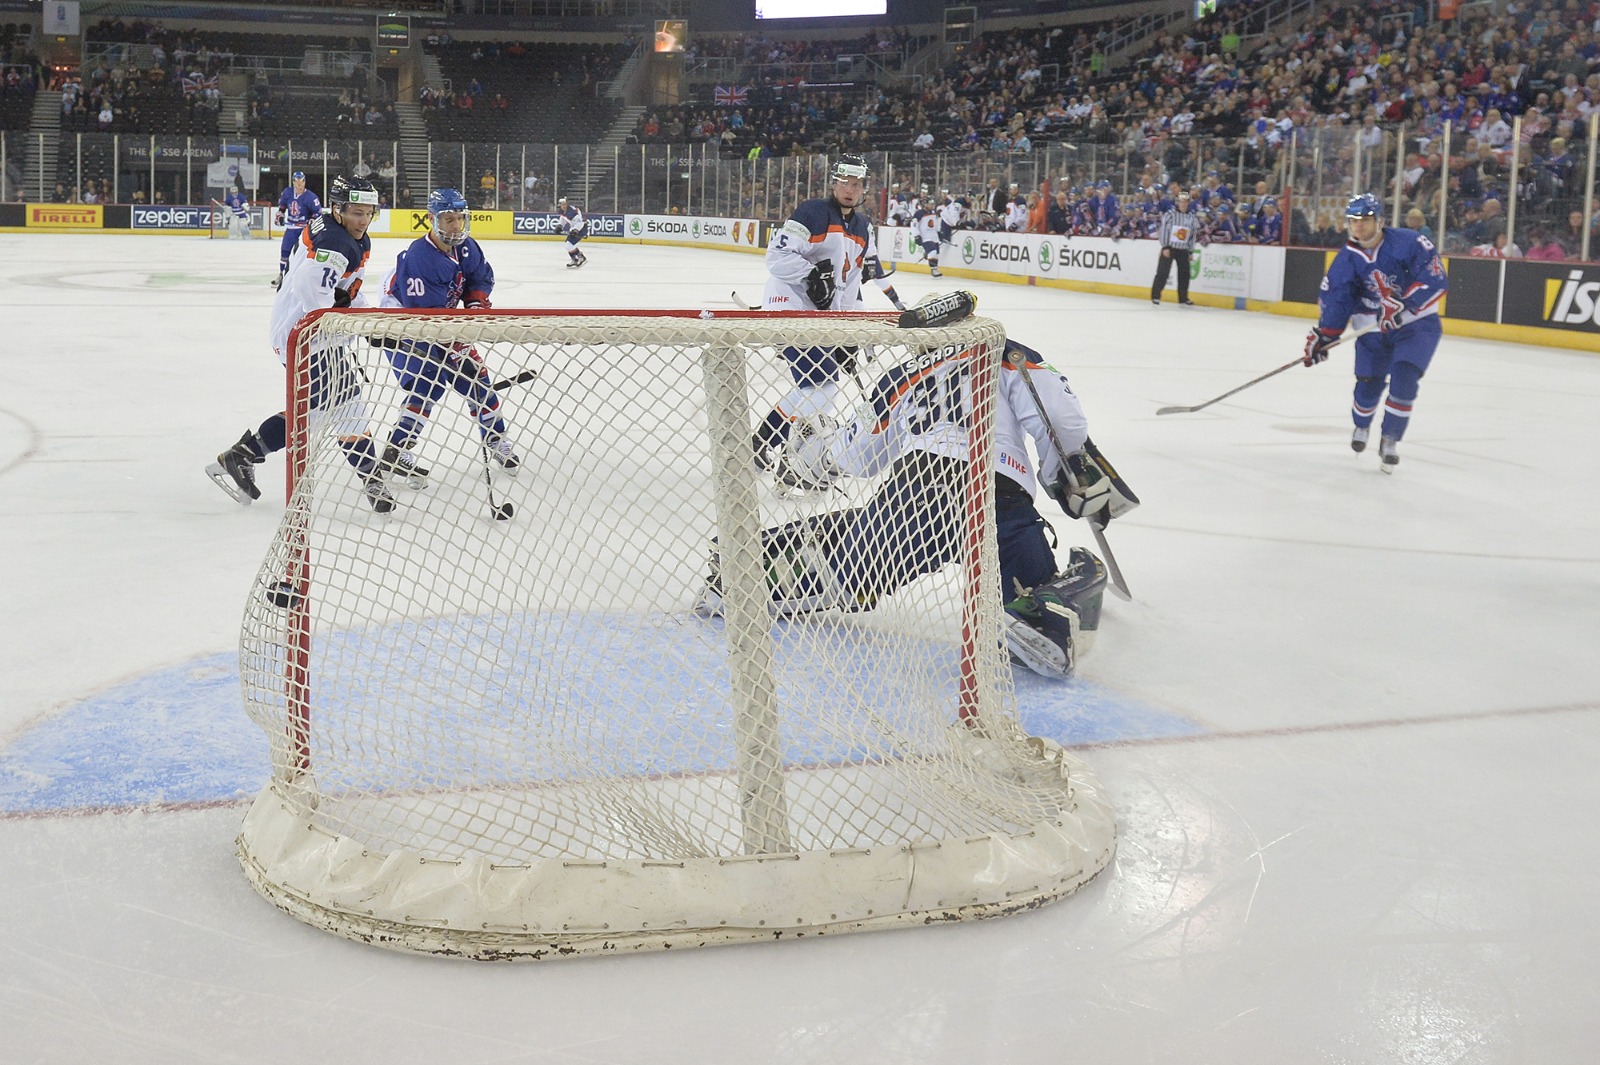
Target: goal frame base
561 908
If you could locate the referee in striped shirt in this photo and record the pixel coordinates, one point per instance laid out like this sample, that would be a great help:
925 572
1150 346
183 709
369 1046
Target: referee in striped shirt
1179 227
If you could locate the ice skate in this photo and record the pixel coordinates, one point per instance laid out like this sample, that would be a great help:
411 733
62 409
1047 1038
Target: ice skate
581 259
234 472
400 464
933 271
1358 439
378 494
1389 453
501 451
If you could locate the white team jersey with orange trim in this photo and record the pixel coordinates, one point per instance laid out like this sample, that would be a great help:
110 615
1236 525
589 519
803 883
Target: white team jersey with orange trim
818 230
925 404
325 258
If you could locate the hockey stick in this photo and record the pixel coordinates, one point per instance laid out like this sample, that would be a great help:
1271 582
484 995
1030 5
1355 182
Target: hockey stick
1119 586
742 305
515 379
1270 373
501 511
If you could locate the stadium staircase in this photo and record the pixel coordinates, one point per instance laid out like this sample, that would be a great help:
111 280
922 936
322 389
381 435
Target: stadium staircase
233 118
413 149
44 145
603 156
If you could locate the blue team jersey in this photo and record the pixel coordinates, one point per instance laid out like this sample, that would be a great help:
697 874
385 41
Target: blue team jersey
424 276
298 210
1405 266
237 203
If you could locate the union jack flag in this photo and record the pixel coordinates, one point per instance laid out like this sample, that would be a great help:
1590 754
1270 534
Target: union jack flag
730 95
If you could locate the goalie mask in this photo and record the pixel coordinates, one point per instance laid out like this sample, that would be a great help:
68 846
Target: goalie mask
447 209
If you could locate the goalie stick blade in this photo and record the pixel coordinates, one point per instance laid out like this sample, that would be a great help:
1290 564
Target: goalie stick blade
1119 587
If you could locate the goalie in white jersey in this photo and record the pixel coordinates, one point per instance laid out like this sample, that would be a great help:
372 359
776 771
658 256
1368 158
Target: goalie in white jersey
916 426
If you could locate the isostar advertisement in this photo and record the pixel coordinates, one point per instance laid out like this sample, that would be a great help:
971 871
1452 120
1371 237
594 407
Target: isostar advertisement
1562 296
63 216
548 223
683 229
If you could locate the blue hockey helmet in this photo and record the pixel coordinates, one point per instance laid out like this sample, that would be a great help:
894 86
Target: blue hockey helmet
449 201
298 175
1363 205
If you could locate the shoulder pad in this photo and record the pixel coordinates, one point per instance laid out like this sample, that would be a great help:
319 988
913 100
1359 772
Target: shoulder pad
813 215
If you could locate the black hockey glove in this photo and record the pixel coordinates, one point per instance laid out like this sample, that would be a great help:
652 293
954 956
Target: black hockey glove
343 296
871 268
1318 341
820 285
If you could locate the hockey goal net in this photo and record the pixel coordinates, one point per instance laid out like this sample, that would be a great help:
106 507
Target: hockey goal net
529 737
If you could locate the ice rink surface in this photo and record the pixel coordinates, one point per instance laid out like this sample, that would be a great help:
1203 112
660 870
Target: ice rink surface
1351 722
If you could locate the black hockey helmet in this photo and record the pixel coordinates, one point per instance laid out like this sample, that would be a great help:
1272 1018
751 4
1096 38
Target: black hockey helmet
848 166
347 190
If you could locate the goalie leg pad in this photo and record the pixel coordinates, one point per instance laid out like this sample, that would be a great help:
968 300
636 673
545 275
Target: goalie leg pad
800 578
1049 627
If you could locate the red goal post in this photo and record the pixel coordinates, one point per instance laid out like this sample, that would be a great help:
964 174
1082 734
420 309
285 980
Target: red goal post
521 739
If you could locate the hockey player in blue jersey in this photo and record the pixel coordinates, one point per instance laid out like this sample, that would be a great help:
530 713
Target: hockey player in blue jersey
1391 278
815 263
447 269
296 208
576 227
326 269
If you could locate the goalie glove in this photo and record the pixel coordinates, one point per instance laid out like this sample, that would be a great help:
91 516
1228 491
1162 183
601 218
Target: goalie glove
1082 489
1318 341
820 285
476 301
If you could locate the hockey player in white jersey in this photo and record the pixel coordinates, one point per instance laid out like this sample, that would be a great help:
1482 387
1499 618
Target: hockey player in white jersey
952 215
916 426
576 227
814 264
1016 215
326 269
925 227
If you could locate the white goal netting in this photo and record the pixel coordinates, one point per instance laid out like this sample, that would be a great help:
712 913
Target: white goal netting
538 736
